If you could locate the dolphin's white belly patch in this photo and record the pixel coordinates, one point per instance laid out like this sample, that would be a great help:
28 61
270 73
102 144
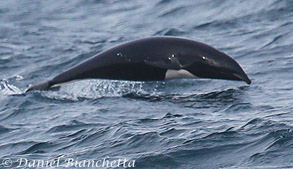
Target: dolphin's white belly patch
176 74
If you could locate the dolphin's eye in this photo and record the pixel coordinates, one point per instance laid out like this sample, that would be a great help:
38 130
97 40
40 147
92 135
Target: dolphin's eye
208 60
171 58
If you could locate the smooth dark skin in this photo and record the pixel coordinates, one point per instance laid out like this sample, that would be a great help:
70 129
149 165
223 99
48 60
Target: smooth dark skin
148 59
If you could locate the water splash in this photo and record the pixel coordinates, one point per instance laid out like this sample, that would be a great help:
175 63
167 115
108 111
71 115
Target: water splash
94 89
8 89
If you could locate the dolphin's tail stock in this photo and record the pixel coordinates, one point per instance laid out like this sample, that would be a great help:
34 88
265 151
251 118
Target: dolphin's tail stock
41 86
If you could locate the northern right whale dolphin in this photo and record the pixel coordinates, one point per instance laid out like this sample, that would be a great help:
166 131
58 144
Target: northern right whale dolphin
153 59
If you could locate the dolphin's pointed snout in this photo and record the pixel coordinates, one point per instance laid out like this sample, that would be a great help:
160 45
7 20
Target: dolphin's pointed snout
242 76
234 70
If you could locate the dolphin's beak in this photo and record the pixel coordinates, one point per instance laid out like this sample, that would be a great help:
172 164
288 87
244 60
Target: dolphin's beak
235 72
227 69
231 70
242 76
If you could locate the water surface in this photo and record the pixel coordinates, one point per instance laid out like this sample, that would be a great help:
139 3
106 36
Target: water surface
197 123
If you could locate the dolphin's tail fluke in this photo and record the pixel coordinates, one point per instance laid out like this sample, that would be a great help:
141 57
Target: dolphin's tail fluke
41 86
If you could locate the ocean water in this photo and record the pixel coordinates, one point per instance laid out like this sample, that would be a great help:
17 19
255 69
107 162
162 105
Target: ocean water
188 123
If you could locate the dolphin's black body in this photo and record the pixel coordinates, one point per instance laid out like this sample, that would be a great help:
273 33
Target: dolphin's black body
149 59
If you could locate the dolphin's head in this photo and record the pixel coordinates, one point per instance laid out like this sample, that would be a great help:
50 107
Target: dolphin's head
217 65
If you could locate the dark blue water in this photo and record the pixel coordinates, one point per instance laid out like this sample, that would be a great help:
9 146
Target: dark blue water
198 123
